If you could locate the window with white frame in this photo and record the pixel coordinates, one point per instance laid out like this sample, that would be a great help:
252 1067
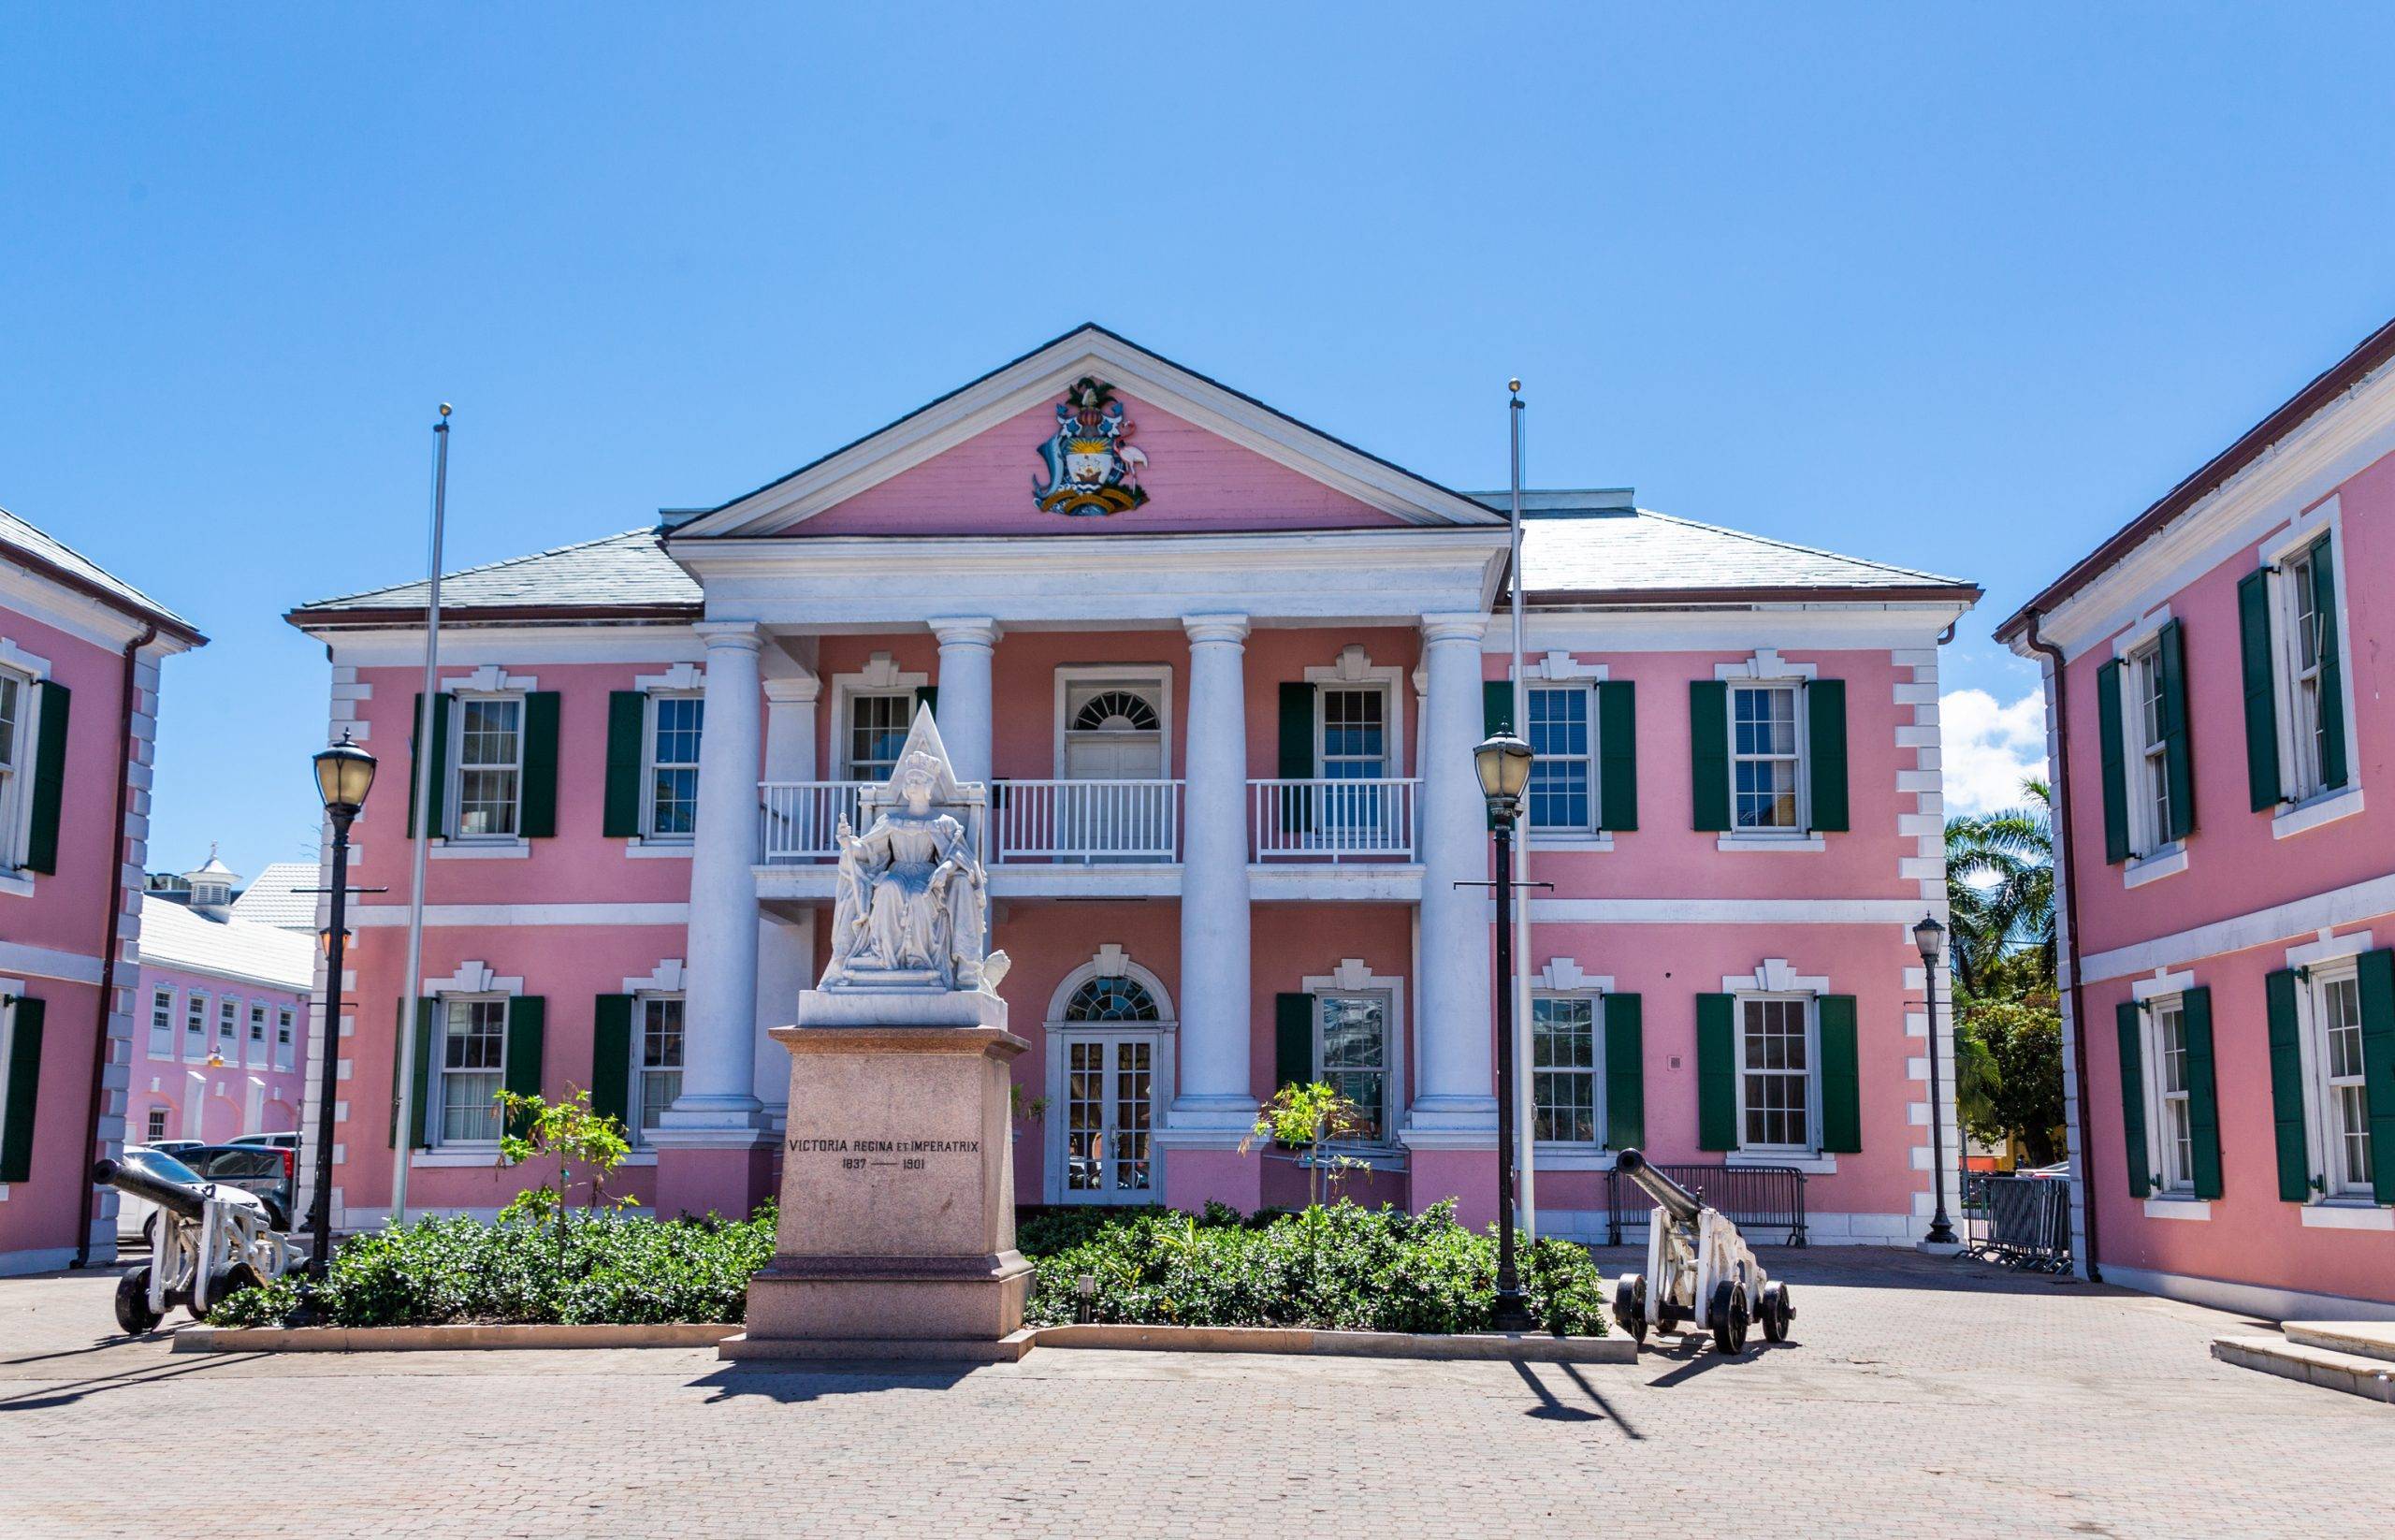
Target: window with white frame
228 1030
472 1067
1776 1091
1351 1056
672 810
1110 1090
2343 1094
285 1021
1562 788
2167 1039
490 765
1767 757
1563 1068
877 726
2303 633
2149 750
658 1068
154 1127
258 1034
1351 732
162 1023
195 1027
16 754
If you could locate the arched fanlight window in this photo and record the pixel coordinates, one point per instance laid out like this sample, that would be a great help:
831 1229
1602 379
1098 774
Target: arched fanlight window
1115 711
1123 1000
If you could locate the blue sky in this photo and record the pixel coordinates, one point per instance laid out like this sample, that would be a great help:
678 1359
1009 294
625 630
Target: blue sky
1958 287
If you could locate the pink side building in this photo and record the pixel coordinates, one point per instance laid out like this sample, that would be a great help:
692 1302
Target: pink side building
1223 674
79 655
2215 680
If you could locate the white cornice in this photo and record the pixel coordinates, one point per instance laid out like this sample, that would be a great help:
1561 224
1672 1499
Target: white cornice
79 616
528 645
1045 375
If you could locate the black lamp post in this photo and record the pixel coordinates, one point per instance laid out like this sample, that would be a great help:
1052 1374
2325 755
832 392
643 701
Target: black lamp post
1503 761
344 772
1930 936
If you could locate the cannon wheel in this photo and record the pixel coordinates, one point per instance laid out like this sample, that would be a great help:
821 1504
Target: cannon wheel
226 1281
1629 1305
1729 1317
1776 1313
132 1303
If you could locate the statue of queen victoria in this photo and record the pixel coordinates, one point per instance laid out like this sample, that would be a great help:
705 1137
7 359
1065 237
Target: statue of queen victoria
911 902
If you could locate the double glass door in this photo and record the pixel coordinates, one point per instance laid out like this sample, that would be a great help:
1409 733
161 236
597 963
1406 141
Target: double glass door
1109 1117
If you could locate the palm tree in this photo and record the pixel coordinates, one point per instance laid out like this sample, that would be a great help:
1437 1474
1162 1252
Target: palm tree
2000 888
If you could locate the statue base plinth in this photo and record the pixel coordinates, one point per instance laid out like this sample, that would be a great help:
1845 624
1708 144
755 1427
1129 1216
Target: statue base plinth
897 1198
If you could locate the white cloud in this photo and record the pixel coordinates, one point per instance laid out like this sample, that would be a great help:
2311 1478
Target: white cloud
1990 747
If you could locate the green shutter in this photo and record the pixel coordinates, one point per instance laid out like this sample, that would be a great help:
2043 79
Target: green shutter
1825 739
611 1058
2178 760
2261 682
1709 740
2333 674
436 819
2109 748
2286 1088
1292 1040
24 1093
52 700
2378 1066
428 1027
1497 710
1625 1073
1717 1072
528 1018
626 726
1295 754
1618 756
2128 1020
538 817
927 696
1841 1076
2203 1098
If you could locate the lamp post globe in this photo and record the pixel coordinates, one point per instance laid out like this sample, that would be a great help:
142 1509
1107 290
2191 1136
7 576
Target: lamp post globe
1929 938
344 774
1502 762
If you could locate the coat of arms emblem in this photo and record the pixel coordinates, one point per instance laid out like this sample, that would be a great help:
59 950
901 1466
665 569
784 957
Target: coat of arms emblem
1091 469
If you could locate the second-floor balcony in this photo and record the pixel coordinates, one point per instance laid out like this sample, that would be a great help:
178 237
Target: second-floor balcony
1121 823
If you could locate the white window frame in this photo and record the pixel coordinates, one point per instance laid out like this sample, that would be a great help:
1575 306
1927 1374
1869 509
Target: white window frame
253 1047
16 772
1595 1001
1803 827
162 1023
1110 962
2171 1173
1385 998
1072 679
2323 1122
640 1070
1812 1004
436 1115
850 764
1587 691
2144 750
650 765
454 801
287 1037
228 1029
195 1027
1387 690
153 1127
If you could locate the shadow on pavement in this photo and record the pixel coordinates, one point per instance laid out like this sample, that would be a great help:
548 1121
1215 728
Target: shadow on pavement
799 1382
1551 1407
75 1390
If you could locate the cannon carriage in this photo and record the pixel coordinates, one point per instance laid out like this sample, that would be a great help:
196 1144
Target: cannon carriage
211 1241
1700 1271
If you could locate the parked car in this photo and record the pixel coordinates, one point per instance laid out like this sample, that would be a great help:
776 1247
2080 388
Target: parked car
134 1215
259 1168
177 1146
279 1142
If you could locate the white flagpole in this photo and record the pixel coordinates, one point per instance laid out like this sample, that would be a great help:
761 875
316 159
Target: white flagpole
1524 1111
429 755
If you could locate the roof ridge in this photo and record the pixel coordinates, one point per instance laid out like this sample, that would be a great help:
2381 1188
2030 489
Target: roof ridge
138 595
1793 545
650 530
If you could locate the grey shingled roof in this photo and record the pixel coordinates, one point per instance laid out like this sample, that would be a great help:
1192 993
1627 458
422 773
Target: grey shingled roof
627 571
275 898
86 573
1599 542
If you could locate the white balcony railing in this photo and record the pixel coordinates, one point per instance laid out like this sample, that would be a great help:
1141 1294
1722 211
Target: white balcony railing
1084 821
802 818
1333 820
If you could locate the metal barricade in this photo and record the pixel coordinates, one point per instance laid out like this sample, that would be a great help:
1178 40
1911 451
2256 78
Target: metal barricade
1754 1197
2020 1221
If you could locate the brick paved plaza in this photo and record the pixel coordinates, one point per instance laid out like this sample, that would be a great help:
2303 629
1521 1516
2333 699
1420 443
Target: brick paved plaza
1917 1399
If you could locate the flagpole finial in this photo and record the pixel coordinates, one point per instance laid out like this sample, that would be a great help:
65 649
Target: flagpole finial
445 409
1514 385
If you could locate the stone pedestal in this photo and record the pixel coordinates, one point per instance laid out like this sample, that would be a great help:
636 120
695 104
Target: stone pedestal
897 1201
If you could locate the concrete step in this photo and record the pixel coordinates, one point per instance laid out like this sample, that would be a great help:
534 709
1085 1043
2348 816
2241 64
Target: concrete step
2368 1339
2352 1373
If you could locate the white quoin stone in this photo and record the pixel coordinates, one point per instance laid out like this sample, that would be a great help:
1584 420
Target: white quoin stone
1455 1105
966 709
1214 1101
720 1016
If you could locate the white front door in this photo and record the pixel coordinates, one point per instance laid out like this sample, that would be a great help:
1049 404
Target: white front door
1114 734
1109 1117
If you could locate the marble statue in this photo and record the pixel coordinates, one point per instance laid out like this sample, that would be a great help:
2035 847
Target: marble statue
911 900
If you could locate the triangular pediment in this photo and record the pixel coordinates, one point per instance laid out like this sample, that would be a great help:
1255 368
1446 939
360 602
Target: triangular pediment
1193 455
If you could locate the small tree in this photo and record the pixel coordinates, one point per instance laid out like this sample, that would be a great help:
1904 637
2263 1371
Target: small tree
2021 1040
1309 1118
569 1133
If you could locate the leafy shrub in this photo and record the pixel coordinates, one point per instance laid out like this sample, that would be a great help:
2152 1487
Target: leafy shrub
567 1272
1344 1267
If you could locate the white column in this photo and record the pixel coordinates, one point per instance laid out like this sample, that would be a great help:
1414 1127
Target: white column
966 711
789 728
720 1011
1213 1098
1456 1103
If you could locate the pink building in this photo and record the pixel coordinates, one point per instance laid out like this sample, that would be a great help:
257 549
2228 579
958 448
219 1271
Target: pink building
80 652
223 1008
2213 681
1224 673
